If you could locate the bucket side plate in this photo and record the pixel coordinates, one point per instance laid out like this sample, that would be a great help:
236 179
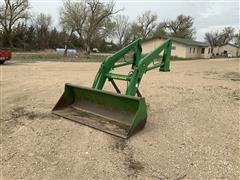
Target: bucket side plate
105 111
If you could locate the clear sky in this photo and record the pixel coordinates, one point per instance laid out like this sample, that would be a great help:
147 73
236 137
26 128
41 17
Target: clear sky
208 14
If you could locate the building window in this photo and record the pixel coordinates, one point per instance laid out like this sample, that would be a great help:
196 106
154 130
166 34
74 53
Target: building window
209 50
197 50
190 50
203 50
173 47
193 50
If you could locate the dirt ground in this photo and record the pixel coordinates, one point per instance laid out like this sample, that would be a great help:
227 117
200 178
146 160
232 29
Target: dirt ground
192 130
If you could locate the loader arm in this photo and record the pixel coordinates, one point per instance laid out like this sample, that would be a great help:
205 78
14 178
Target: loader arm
109 62
143 65
140 65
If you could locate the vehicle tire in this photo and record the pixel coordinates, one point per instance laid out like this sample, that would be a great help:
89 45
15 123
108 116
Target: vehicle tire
2 62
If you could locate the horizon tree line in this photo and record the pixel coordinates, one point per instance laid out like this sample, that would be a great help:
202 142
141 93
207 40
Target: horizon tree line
93 24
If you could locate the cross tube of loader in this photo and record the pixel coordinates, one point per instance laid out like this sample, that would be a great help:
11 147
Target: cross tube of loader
118 114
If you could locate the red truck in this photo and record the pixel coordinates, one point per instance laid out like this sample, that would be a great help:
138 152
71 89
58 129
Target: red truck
5 55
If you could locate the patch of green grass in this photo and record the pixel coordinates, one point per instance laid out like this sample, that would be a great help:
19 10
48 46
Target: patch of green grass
173 58
34 57
91 58
176 58
29 57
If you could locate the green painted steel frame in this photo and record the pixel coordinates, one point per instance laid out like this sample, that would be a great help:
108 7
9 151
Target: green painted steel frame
140 65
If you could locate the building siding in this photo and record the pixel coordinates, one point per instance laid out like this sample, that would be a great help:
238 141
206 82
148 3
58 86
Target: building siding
149 46
235 51
178 49
198 53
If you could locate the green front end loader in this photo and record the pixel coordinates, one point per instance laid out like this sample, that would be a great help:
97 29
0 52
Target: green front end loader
119 114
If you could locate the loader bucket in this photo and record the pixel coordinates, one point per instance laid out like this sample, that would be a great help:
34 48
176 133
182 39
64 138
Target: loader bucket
116 114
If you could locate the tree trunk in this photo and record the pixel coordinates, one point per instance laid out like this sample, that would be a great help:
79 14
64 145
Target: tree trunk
67 43
88 49
65 50
9 37
11 43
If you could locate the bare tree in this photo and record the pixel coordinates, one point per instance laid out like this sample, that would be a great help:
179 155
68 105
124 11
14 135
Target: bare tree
226 35
212 38
72 19
87 18
145 25
220 38
122 29
42 24
237 38
182 27
160 30
11 12
73 16
43 20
